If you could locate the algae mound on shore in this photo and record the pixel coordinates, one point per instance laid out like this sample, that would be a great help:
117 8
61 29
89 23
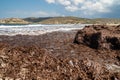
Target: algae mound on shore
54 56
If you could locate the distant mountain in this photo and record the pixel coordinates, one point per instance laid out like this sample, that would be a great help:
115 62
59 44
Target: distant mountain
59 20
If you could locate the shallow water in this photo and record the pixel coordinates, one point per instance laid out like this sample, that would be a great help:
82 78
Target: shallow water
37 29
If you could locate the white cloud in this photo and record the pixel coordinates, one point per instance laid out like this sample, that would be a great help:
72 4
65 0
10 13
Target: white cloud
50 1
108 2
64 2
87 6
71 8
44 14
40 13
77 2
95 7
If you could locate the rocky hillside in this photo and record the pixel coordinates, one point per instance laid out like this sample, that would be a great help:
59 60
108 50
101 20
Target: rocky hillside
65 20
13 21
92 53
59 20
106 20
73 20
36 20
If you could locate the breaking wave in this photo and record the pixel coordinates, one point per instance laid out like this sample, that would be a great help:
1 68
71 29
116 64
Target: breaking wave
37 29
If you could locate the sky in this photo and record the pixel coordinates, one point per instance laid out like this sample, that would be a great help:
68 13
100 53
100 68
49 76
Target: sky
53 8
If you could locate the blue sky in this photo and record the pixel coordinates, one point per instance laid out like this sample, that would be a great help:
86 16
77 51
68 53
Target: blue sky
50 8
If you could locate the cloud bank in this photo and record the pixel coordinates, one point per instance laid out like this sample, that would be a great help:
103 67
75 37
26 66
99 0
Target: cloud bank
87 7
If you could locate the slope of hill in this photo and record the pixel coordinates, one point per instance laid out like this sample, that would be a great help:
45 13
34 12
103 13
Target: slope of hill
73 20
65 20
13 21
107 20
35 20
59 20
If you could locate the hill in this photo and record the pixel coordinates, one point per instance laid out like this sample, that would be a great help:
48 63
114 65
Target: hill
65 20
59 20
73 20
13 21
107 20
35 20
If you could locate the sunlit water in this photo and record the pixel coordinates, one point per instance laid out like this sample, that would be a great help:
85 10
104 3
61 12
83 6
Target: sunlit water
37 29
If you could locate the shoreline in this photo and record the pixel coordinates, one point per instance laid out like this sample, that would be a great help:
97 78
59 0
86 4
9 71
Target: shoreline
38 29
56 56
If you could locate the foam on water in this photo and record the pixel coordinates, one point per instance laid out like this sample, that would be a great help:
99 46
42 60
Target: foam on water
37 29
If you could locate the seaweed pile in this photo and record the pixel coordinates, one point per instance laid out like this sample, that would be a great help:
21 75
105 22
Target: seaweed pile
92 53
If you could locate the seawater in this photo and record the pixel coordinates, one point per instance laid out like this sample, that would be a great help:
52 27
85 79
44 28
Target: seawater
37 29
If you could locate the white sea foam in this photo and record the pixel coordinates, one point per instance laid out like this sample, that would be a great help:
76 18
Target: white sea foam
37 29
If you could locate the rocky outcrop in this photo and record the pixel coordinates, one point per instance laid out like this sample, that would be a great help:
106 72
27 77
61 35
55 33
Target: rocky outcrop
99 36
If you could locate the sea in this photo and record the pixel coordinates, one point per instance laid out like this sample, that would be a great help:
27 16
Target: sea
37 29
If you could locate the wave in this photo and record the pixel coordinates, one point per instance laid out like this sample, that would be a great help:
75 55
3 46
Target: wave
37 29
34 25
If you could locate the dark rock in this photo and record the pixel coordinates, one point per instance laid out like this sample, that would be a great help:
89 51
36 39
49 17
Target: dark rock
98 36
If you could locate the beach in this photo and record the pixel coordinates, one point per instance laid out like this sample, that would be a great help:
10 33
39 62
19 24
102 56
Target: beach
59 40
58 55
